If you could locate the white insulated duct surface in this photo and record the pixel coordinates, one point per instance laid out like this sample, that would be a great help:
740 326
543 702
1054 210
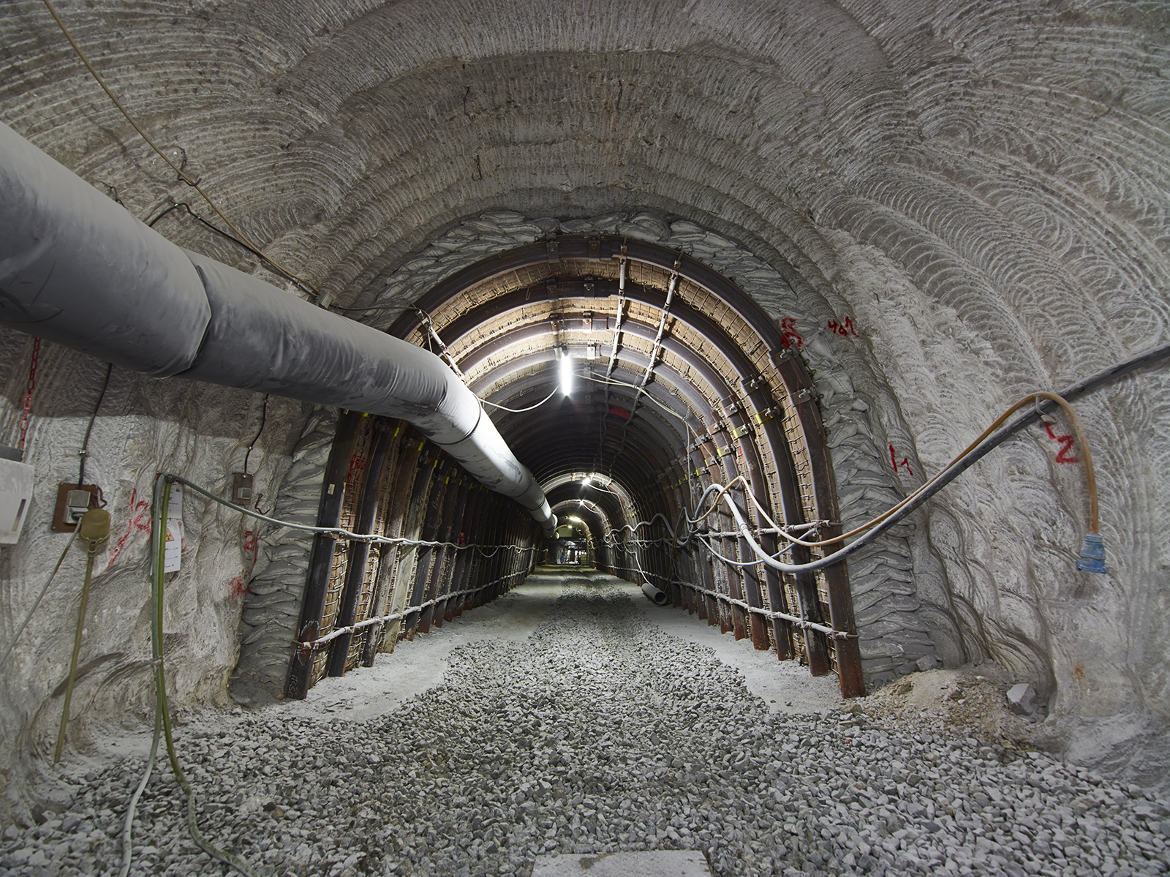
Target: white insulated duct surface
77 269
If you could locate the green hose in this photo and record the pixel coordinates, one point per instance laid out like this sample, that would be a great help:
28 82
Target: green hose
76 651
94 529
162 498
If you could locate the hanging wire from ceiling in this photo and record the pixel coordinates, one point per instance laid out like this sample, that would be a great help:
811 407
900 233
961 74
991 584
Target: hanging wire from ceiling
84 452
182 175
252 444
239 242
521 410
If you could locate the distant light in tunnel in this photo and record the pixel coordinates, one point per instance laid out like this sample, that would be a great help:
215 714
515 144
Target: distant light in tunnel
566 373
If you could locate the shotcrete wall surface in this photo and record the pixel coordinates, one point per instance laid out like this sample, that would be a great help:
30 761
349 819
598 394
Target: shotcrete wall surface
955 203
144 426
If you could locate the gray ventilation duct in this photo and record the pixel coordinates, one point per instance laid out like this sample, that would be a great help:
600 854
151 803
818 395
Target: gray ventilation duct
78 270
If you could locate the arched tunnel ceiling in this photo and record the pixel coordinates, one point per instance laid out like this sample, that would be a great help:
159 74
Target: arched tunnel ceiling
949 204
994 175
995 172
661 347
999 153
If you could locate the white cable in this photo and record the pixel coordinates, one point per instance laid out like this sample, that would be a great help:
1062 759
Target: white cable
128 825
337 532
521 410
37 602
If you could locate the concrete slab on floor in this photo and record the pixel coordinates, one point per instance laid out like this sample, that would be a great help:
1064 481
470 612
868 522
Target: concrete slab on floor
651 863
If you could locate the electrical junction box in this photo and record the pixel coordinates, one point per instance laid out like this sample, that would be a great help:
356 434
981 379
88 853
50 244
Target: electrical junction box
16 486
73 501
241 488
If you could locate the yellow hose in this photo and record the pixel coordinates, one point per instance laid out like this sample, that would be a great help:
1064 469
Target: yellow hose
94 529
76 651
1030 399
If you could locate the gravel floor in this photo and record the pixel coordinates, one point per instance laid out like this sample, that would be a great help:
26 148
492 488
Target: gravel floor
599 733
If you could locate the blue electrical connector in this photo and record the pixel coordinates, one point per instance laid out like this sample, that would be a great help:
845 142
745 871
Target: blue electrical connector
1092 557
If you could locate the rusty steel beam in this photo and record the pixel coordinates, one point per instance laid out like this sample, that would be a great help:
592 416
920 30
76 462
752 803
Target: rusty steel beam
440 582
300 670
420 493
404 471
436 500
359 552
463 559
849 669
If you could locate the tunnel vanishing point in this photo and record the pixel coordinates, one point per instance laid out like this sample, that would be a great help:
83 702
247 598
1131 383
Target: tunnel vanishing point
386 303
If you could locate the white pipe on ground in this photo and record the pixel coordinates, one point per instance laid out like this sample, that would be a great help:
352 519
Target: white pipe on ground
655 596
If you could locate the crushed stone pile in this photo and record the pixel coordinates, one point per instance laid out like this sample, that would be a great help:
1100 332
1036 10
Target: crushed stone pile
599 733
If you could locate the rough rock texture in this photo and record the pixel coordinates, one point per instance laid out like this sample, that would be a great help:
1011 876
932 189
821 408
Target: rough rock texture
982 188
272 605
144 426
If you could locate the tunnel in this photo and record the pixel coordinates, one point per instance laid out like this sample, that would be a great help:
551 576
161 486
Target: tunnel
828 335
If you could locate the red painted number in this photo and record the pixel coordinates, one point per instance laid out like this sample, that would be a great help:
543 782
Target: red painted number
790 336
1065 453
904 464
844 328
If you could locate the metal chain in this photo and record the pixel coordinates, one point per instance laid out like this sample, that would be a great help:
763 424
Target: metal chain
32 382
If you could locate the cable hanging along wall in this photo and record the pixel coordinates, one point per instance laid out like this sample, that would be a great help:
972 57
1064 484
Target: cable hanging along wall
1092 553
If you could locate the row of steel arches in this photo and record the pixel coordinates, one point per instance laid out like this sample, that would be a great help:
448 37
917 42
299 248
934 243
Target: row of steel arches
447 544
688 384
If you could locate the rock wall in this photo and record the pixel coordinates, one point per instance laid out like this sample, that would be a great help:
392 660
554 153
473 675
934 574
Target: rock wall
980 188
144 426
272 606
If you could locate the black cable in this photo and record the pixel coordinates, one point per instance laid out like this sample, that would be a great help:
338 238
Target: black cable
174 206
89 429
955 469
995 440
252 444
240 243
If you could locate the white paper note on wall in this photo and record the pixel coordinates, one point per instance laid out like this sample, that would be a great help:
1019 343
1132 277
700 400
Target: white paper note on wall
173 553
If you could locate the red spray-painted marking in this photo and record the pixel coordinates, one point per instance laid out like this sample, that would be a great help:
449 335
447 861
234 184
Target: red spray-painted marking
238 587
1065 454
139 523
357 465
905 461
251 546
789 334
843 328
